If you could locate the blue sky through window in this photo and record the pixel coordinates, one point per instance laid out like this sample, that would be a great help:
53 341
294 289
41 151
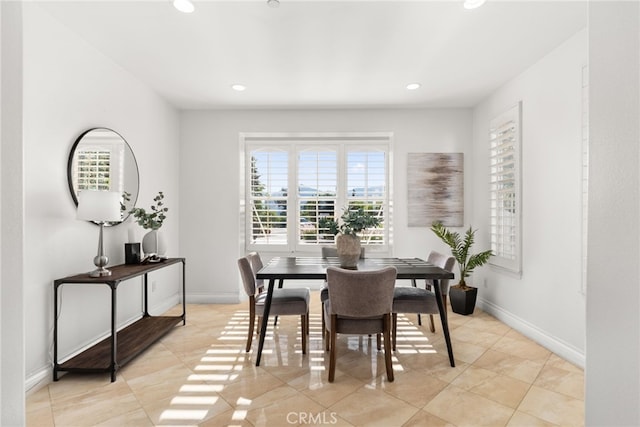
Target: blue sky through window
318 170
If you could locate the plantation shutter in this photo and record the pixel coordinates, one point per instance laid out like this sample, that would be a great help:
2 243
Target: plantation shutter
268 183
505 212
293 183
366 187
317 191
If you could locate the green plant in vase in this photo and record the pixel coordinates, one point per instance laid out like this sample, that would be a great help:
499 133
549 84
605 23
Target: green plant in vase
152 220
351 222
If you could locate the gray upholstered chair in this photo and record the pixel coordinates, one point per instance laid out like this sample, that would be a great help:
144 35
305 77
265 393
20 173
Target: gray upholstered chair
330 252
359 303
412 299
285 301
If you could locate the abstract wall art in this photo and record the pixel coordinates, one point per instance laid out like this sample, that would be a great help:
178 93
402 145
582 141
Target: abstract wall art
435 189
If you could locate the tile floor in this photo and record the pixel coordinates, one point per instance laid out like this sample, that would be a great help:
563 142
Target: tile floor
199 375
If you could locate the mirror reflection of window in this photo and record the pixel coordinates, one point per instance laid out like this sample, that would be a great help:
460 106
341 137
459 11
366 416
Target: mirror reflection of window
99 164
92 170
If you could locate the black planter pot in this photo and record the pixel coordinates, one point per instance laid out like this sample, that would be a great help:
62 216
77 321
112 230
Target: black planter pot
463 301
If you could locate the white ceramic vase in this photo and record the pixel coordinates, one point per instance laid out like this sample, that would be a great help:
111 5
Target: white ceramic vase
154 243
349 249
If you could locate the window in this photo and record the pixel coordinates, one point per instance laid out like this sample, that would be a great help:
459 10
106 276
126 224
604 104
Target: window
328 173
504 143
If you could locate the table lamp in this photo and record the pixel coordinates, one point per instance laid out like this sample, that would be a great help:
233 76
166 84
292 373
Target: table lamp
99 207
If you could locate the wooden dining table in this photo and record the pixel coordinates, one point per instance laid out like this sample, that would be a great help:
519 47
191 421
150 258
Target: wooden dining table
315 268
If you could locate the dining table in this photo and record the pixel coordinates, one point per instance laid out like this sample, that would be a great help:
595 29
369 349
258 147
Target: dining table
315 268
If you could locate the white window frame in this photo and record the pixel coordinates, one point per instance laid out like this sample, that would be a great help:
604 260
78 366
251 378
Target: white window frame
505 226
585 176
343 142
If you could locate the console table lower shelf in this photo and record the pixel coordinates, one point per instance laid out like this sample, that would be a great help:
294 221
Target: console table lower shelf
132 341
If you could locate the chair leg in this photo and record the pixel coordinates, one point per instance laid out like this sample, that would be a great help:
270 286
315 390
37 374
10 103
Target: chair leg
387 347
323 327
303 326
394 330
252 321
415 285
327 337
432 326
379 342
332 350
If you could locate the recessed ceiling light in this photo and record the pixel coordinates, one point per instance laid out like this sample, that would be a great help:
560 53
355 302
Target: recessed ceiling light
184 6
273 3
473 4
238 87
413 86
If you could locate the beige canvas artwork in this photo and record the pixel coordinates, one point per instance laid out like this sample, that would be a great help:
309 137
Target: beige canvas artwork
435 184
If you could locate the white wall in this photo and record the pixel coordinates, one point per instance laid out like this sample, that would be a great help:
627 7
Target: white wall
210 177
613 293
12 328
70 87
546 302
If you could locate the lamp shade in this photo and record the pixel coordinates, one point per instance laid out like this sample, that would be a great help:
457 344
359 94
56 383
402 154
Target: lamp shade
99 206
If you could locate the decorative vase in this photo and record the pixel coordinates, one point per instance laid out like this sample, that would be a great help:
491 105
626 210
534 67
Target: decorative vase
153 243
349 249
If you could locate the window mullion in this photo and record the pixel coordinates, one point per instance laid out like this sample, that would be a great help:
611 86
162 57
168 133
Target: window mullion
292 199
341 194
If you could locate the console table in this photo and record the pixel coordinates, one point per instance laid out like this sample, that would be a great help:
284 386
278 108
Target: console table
121 346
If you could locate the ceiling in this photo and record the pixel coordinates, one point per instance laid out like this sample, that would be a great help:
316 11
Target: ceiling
322 54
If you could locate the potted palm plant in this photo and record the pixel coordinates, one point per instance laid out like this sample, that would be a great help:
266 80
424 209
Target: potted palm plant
462 296
352 222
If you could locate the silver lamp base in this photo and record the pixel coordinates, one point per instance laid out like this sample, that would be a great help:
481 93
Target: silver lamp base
101 259
100 272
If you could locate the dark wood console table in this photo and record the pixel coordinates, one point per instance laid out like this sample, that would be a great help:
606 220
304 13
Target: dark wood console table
113 352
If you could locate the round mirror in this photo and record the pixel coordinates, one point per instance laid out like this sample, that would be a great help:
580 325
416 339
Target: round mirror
101 159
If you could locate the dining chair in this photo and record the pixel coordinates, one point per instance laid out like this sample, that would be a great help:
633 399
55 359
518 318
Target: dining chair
330 252
285 301
412 299
359 303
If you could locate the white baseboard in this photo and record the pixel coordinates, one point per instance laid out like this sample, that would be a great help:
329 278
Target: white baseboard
551 343
38 380
225 298
166 305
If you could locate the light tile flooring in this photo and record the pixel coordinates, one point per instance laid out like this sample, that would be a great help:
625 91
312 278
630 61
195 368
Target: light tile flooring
200 375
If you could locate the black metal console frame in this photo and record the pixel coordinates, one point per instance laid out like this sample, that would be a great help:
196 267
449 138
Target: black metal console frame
123 345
